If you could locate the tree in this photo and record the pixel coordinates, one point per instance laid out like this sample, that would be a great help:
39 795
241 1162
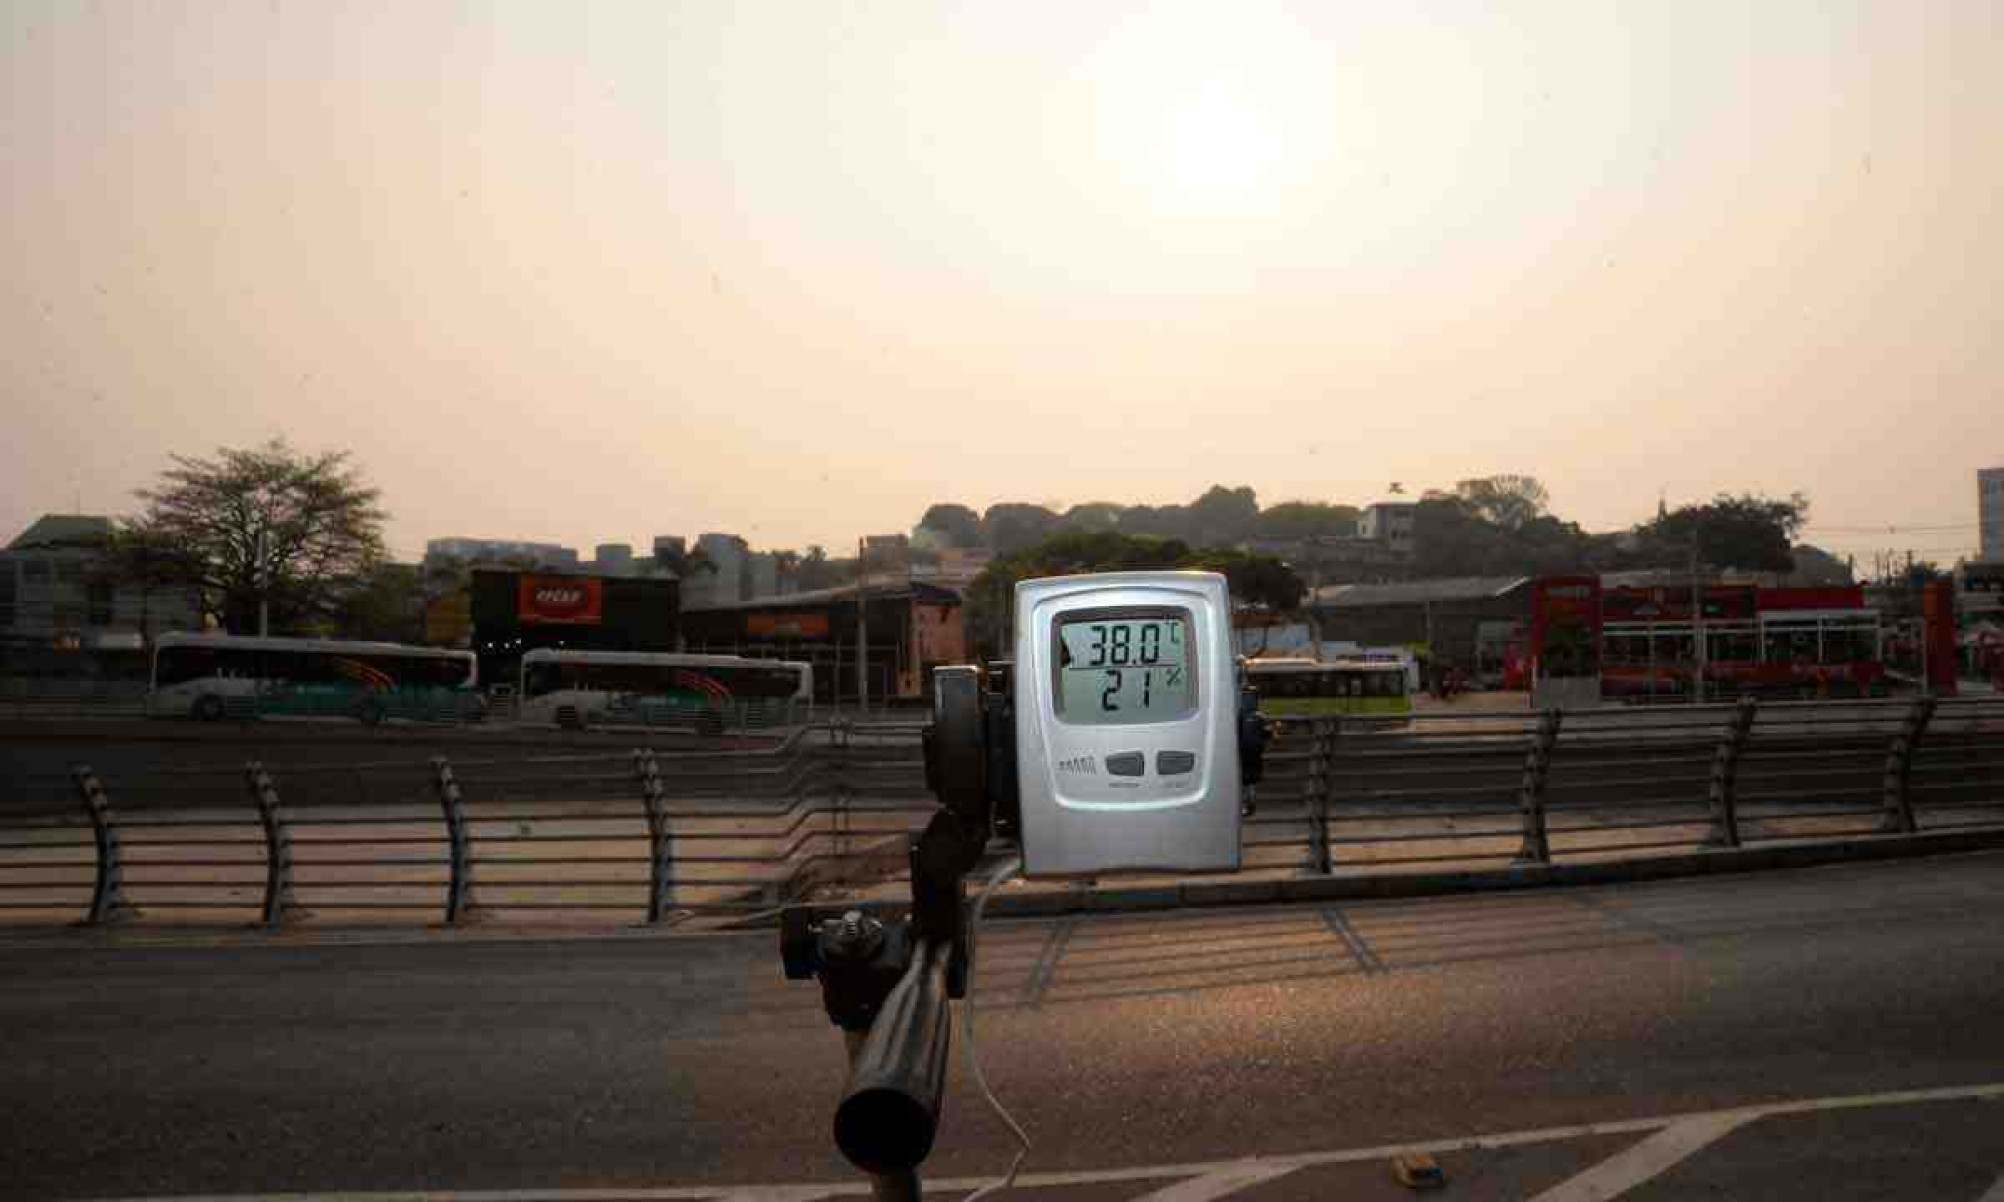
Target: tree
1093 516
1307 519
1222 516
267 524
388 605
1454 536
957 524
1508 501
139 556
1748 531
1815 566
1011 526
1258 581
817 571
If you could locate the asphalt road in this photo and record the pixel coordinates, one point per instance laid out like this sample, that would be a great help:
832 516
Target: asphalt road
1126 1044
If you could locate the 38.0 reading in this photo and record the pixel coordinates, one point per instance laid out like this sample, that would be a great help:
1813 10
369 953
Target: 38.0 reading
1117 643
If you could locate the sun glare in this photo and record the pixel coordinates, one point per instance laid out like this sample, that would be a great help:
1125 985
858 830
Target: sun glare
1206 113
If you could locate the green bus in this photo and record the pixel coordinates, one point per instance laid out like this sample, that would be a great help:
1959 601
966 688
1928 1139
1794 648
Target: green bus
1316 688
214 676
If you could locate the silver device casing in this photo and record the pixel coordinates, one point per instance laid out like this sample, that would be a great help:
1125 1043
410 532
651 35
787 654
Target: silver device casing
1077 820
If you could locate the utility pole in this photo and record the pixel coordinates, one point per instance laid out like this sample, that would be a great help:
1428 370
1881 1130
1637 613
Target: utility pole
1697 627
1314 586
263 586
862 636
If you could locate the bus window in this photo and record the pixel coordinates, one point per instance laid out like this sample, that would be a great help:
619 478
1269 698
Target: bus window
1845 642
1731 646
1789 645
1627 649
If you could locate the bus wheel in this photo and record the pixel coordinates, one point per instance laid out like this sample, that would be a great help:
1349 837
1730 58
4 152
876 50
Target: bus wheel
209 708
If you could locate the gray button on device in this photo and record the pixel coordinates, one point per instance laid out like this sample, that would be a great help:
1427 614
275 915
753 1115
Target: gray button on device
1125 763
1171 763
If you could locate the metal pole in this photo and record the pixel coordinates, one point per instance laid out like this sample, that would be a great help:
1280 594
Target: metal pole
1537 848
277 844
107 898
459 889
660 839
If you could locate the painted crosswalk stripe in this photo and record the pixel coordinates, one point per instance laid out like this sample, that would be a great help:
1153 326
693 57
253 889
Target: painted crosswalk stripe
1638 1163
1220 1184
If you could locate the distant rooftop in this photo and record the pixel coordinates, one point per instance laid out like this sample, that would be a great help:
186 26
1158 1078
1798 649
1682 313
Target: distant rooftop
877 588
1415 592
63 530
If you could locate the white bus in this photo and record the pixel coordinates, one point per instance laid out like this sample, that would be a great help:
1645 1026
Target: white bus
561 687
211 676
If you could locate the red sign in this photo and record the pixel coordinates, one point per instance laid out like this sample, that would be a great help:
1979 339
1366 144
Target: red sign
578 600
808 625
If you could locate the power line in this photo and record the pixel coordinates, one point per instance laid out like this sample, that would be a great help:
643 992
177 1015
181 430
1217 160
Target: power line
1892 529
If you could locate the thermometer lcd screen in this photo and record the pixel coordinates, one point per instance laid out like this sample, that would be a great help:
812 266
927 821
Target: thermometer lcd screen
1125 668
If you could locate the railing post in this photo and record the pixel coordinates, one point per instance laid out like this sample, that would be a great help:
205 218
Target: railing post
277 844
660 842
1321 771
459 891
1725 830
1899 800
107 895
1537 847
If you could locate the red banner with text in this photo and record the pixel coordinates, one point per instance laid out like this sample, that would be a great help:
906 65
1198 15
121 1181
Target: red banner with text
575 600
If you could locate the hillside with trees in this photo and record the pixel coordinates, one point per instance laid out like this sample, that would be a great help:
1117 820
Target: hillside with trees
1486 526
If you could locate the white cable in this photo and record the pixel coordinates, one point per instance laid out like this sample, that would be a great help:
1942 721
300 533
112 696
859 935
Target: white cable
1002 873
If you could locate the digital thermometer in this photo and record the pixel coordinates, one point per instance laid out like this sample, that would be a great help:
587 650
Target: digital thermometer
1126 714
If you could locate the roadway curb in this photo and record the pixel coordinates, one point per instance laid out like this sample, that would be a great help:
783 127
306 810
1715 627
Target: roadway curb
1200 894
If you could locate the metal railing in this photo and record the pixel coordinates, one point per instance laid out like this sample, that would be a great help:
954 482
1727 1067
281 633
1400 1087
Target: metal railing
660 835
1365 794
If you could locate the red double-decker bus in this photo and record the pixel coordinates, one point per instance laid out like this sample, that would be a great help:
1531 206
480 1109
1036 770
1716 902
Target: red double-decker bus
1776 642
1788 642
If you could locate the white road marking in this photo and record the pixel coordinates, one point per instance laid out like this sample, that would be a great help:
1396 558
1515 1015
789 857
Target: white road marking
1637 1163
1224 1182
1281 1164
1995 1193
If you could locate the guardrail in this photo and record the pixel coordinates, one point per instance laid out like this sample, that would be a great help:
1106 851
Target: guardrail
656 836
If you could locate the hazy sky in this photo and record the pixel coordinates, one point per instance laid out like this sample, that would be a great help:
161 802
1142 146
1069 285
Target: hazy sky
594 272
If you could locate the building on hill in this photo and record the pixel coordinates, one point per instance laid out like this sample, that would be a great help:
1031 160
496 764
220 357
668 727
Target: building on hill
63 612
496 551
1391 524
